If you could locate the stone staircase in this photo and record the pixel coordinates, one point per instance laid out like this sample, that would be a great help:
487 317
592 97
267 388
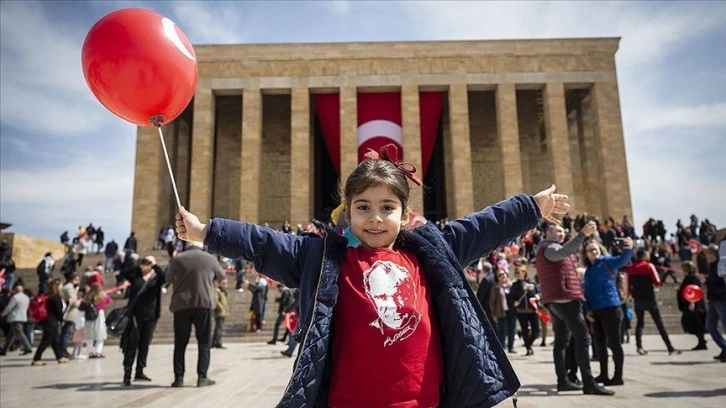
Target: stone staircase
235 324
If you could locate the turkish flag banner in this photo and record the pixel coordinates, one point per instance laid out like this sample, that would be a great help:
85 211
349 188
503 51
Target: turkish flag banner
328 109
379 122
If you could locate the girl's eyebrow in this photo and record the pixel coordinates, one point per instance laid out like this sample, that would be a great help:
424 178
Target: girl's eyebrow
364 200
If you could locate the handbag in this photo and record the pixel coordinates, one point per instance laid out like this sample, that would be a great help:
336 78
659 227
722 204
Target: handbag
118 320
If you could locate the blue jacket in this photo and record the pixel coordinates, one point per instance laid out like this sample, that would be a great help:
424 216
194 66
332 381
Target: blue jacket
477 372
600 289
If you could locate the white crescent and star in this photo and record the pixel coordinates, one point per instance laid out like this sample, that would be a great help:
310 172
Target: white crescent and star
380 128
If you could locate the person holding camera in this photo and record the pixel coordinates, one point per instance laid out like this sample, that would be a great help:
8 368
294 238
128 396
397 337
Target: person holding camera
146 282
522 291
603 304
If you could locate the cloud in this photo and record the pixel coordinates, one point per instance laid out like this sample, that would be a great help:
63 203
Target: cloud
662 181
45 202
338 7
209 23
682 116
43 88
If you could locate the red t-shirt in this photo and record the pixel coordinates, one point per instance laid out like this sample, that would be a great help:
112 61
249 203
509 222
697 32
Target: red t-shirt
386 345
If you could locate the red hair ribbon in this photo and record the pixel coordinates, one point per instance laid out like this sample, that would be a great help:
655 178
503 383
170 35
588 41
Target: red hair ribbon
389 153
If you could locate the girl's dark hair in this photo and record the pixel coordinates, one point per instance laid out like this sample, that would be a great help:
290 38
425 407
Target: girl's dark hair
375 173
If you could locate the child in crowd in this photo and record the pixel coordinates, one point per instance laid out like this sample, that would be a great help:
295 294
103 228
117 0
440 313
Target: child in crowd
376 314
220 313
94 328
78 337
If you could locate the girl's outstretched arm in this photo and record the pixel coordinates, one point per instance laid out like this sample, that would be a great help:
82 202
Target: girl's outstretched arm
479 233
273 253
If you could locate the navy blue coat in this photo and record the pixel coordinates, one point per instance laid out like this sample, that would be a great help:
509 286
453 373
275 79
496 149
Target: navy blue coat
477 372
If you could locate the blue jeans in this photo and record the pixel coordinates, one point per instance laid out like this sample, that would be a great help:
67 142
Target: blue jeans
716 312
109 264
506 327
65 335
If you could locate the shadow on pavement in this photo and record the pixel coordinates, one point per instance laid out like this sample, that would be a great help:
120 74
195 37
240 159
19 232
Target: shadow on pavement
695 393
542 390
681 363
99 386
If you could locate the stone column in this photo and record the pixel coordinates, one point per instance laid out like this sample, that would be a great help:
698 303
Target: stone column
251 150
609 132
595 201
167 200
147 187
462 188
348 130
183 163
300 157
558 143
508 130
200 188
411 123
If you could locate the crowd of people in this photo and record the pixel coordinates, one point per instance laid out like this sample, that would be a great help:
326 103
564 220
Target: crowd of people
589 278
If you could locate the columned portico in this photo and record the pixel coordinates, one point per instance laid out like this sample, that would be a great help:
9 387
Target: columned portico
516 116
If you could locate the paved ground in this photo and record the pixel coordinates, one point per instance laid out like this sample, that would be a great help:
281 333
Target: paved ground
255 375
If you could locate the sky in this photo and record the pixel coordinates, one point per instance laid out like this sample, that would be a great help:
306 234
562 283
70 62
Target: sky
66 161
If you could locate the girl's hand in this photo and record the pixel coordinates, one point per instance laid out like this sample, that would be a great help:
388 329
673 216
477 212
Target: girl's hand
550 203
188 226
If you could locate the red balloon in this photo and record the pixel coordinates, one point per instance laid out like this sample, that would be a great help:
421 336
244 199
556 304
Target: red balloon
692 293
140 66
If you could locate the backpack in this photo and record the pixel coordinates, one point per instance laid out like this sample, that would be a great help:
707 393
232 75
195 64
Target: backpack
40 269
38 309
90 312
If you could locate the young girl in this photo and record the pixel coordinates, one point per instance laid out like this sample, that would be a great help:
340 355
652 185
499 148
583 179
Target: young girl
94 329
78 336
391 321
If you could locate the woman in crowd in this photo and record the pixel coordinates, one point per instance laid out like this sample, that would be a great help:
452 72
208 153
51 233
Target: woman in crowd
603 304
522 291
94 328
693 319
146 281
51 333
502 307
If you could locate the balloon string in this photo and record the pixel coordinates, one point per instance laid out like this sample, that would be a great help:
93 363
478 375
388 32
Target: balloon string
168 166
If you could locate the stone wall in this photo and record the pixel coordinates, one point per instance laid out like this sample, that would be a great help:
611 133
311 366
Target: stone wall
27 251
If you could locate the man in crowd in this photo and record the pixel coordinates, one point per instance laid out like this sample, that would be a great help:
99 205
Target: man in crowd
110 253
716 287
193 275
16 314
643 278
562 295
43 270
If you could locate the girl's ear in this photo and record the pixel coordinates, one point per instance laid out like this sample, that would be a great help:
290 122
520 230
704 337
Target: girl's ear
405 216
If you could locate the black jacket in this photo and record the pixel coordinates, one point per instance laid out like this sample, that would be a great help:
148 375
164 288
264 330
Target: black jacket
148 305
